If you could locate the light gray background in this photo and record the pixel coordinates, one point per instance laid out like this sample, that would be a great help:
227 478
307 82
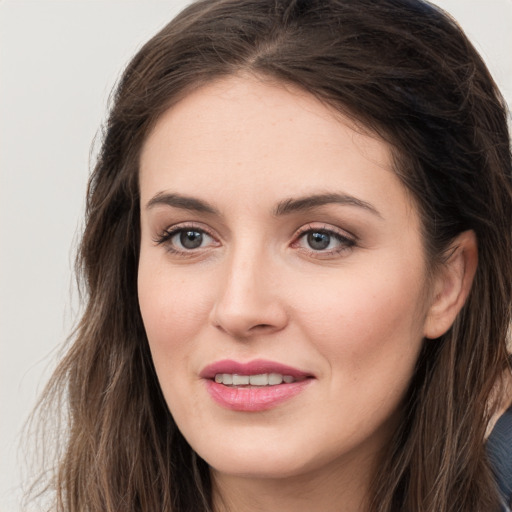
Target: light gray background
58 62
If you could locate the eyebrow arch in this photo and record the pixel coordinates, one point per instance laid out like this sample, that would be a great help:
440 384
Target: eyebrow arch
183 202
291 205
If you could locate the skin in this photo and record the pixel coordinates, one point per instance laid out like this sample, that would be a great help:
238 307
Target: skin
353 315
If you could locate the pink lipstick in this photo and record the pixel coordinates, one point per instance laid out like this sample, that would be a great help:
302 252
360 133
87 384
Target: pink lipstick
258 385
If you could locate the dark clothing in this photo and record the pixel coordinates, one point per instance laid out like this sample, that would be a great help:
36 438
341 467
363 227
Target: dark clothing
499 450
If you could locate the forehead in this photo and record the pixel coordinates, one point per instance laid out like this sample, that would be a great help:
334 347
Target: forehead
245 137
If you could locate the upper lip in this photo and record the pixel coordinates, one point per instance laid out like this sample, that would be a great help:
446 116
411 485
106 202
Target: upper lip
255 367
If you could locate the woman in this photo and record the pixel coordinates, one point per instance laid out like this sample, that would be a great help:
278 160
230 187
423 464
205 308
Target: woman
297 264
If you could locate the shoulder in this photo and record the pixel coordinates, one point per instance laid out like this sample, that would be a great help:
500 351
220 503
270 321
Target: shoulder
499 450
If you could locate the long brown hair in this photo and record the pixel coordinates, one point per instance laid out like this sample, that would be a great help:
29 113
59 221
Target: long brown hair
405 71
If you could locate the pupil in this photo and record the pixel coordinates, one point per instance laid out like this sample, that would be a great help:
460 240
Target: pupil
191 239
319 241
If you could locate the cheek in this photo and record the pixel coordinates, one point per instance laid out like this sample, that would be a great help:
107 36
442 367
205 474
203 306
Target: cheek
173 311
369 326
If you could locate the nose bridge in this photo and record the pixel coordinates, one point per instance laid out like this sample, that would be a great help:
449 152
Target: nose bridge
248 300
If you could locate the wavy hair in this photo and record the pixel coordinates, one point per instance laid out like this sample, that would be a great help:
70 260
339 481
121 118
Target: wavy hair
405 71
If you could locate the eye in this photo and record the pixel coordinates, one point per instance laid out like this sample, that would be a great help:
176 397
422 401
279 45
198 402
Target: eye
324 241
190 238
318 241
185 239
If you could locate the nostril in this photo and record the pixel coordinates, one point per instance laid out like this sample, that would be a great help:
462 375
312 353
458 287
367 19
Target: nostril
245 314
261 327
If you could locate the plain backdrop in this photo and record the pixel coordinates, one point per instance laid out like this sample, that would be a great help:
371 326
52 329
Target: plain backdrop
58 63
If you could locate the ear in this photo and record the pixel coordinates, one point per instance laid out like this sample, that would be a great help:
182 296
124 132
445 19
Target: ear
452 284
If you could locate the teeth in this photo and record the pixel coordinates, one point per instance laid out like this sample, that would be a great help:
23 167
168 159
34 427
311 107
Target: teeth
263 379
224 378
258 380
240 380
227 378
274 379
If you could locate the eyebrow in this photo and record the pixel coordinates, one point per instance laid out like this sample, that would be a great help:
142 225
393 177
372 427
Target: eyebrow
285 207
300 204
183 202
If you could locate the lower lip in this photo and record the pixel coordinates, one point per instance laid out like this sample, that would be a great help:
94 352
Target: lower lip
254 399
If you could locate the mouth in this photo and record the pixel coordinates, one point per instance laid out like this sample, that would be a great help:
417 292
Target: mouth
255 386
259 380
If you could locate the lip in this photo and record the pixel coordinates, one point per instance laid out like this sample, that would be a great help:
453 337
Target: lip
255 367
253 399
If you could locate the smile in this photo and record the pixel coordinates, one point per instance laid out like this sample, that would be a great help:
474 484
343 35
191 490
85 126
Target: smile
255 386
262 379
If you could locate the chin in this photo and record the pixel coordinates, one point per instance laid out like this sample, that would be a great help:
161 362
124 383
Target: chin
263 460
275 468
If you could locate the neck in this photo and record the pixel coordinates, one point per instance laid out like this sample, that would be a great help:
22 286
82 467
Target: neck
334 489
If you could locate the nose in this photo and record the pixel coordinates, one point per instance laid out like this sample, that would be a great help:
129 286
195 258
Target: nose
249 301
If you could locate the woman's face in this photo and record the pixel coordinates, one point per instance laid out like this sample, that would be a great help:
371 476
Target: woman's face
282 280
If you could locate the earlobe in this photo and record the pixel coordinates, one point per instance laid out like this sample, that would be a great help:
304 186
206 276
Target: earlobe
452 285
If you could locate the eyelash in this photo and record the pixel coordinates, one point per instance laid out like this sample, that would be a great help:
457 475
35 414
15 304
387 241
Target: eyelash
345 242
166 237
